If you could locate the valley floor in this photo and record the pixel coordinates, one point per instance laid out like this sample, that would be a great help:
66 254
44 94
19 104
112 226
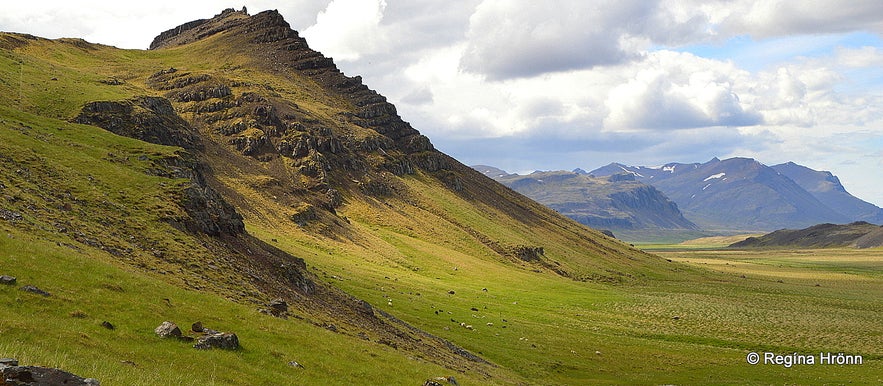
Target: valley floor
694 326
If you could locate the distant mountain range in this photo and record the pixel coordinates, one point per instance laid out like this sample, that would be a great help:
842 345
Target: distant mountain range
742 194
618 202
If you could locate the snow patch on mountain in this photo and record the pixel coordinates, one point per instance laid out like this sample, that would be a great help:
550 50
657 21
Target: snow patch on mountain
714 176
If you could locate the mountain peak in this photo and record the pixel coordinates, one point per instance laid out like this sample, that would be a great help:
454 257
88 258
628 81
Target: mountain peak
198 29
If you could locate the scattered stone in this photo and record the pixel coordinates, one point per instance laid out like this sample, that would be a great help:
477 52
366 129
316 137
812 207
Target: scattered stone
168 329
451 292
295 364
441 381
331 327
474 309
221 340
278 307
197 327
676 317
35 290
8 280
13 374
107 325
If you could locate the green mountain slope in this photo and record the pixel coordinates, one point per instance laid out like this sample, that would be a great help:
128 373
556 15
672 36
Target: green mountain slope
233 165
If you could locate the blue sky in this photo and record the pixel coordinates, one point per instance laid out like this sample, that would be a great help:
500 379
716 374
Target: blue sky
526 85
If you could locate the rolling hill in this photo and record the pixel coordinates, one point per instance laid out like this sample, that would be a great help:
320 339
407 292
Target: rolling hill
233 179
854 235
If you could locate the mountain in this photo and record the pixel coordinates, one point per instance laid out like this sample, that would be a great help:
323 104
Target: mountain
618 202
856 235
736 194
232 169
491 171
826 188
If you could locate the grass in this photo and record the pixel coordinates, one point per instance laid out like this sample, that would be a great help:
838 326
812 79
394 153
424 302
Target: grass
559 331
64 330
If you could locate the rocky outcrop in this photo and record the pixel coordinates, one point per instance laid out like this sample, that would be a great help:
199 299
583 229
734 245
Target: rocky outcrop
154 120
150 119
527 253
284 50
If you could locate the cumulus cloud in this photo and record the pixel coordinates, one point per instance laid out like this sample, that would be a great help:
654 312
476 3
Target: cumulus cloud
679 91
347 29
511 39
763 19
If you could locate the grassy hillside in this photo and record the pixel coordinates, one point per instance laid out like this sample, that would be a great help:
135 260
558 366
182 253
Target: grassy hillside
436 249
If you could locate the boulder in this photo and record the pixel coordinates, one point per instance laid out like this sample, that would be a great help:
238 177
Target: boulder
8 280
168 329
278 307
13 374
34 290
221 340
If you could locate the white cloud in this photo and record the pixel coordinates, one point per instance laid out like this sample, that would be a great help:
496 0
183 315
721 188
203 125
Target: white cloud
769 18
348 29
678 91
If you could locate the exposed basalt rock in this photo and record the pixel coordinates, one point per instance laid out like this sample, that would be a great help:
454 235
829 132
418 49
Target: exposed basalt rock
209 212
191 31
206 209
153 119
293 272
150 119
34 290
527 253
202 93
285 48
168 330
219 340
304 213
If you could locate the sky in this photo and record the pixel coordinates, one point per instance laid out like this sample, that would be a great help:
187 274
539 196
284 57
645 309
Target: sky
549 85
